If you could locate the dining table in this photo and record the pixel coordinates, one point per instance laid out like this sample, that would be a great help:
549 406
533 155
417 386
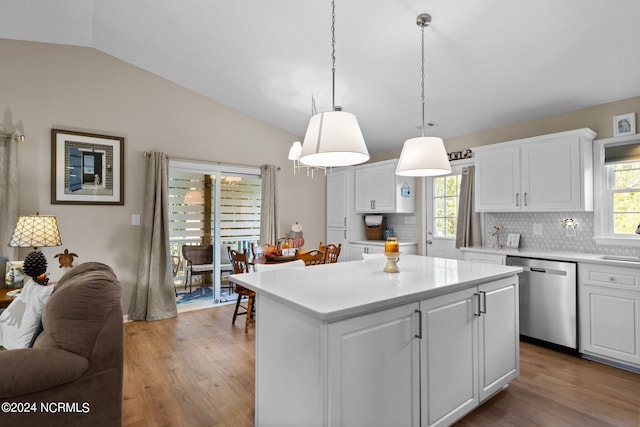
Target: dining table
272 259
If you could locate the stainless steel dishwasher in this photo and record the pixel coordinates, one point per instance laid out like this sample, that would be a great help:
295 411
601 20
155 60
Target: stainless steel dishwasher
548 310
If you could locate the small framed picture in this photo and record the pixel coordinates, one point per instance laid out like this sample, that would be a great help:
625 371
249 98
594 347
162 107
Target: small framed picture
624 124
513 240
14 274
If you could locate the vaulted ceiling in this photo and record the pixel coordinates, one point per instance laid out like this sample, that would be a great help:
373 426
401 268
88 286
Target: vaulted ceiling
488 63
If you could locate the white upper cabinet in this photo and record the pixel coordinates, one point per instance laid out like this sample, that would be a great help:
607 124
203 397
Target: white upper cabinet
339 197
546 173
380 190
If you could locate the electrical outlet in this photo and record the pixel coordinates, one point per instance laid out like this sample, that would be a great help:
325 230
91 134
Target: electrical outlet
135 219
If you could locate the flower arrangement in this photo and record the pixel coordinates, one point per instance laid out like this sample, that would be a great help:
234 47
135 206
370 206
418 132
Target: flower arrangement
495 232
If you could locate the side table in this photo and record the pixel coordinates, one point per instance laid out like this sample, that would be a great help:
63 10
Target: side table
5 299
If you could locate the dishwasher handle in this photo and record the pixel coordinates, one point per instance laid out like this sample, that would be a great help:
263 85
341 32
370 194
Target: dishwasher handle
544 270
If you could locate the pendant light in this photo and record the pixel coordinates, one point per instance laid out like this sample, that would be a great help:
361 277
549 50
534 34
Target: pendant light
333 138
425 155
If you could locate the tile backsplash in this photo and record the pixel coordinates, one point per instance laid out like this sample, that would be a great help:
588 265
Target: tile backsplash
549 234
403 231
552 236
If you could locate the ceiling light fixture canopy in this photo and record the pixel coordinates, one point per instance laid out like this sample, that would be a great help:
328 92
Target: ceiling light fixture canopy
333 138
423 156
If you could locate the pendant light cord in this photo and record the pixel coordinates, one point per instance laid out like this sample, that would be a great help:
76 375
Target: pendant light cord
422 28
333 55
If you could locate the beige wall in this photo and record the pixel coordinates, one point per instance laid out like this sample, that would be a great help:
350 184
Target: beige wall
44 86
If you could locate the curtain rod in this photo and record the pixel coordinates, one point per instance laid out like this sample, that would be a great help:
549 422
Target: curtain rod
18 137
148 153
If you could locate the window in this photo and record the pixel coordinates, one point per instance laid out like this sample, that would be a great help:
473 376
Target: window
617 191
624 197
446 190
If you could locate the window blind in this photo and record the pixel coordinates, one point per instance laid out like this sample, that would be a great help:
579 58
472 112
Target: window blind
621 153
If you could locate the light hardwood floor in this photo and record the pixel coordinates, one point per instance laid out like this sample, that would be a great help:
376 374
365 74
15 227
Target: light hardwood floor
198 370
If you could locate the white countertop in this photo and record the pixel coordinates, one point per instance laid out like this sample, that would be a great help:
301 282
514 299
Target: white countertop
380 242
556 256
331 292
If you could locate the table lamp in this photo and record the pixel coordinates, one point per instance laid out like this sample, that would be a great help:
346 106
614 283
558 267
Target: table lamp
36 231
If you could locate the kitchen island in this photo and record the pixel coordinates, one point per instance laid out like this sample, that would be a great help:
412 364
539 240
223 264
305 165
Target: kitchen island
347 344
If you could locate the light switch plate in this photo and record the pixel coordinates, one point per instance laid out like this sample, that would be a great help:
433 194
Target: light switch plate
135 219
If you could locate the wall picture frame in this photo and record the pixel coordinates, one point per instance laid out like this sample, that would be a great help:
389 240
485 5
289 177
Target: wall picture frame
624 124
86 168
513 240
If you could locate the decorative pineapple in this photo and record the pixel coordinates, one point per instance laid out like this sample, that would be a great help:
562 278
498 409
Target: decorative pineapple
35 266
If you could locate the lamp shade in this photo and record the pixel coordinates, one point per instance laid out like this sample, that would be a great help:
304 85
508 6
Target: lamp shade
36 231
295 150
194 197
333 138
423 156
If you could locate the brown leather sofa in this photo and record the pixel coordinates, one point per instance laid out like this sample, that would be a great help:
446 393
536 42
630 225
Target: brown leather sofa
72 375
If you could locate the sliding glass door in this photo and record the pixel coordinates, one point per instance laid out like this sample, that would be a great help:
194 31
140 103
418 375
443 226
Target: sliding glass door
217 205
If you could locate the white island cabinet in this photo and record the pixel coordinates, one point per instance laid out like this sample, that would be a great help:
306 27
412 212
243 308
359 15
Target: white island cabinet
347 344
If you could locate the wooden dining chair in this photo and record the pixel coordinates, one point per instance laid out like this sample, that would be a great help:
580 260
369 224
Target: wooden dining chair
331 252
260 251
312 257
240 264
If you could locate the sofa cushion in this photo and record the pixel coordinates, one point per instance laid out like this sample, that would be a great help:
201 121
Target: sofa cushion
21 319
83 298
35 369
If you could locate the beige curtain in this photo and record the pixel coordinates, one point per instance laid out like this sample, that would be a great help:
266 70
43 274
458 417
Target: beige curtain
468 232
269 232
8 195
154 296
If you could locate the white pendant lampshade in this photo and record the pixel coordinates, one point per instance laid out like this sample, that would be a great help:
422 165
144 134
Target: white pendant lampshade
423 156
333 139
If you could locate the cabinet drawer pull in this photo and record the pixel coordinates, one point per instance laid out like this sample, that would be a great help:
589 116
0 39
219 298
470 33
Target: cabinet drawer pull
476 311
517 199
483 307
612 279
419 334
525 199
